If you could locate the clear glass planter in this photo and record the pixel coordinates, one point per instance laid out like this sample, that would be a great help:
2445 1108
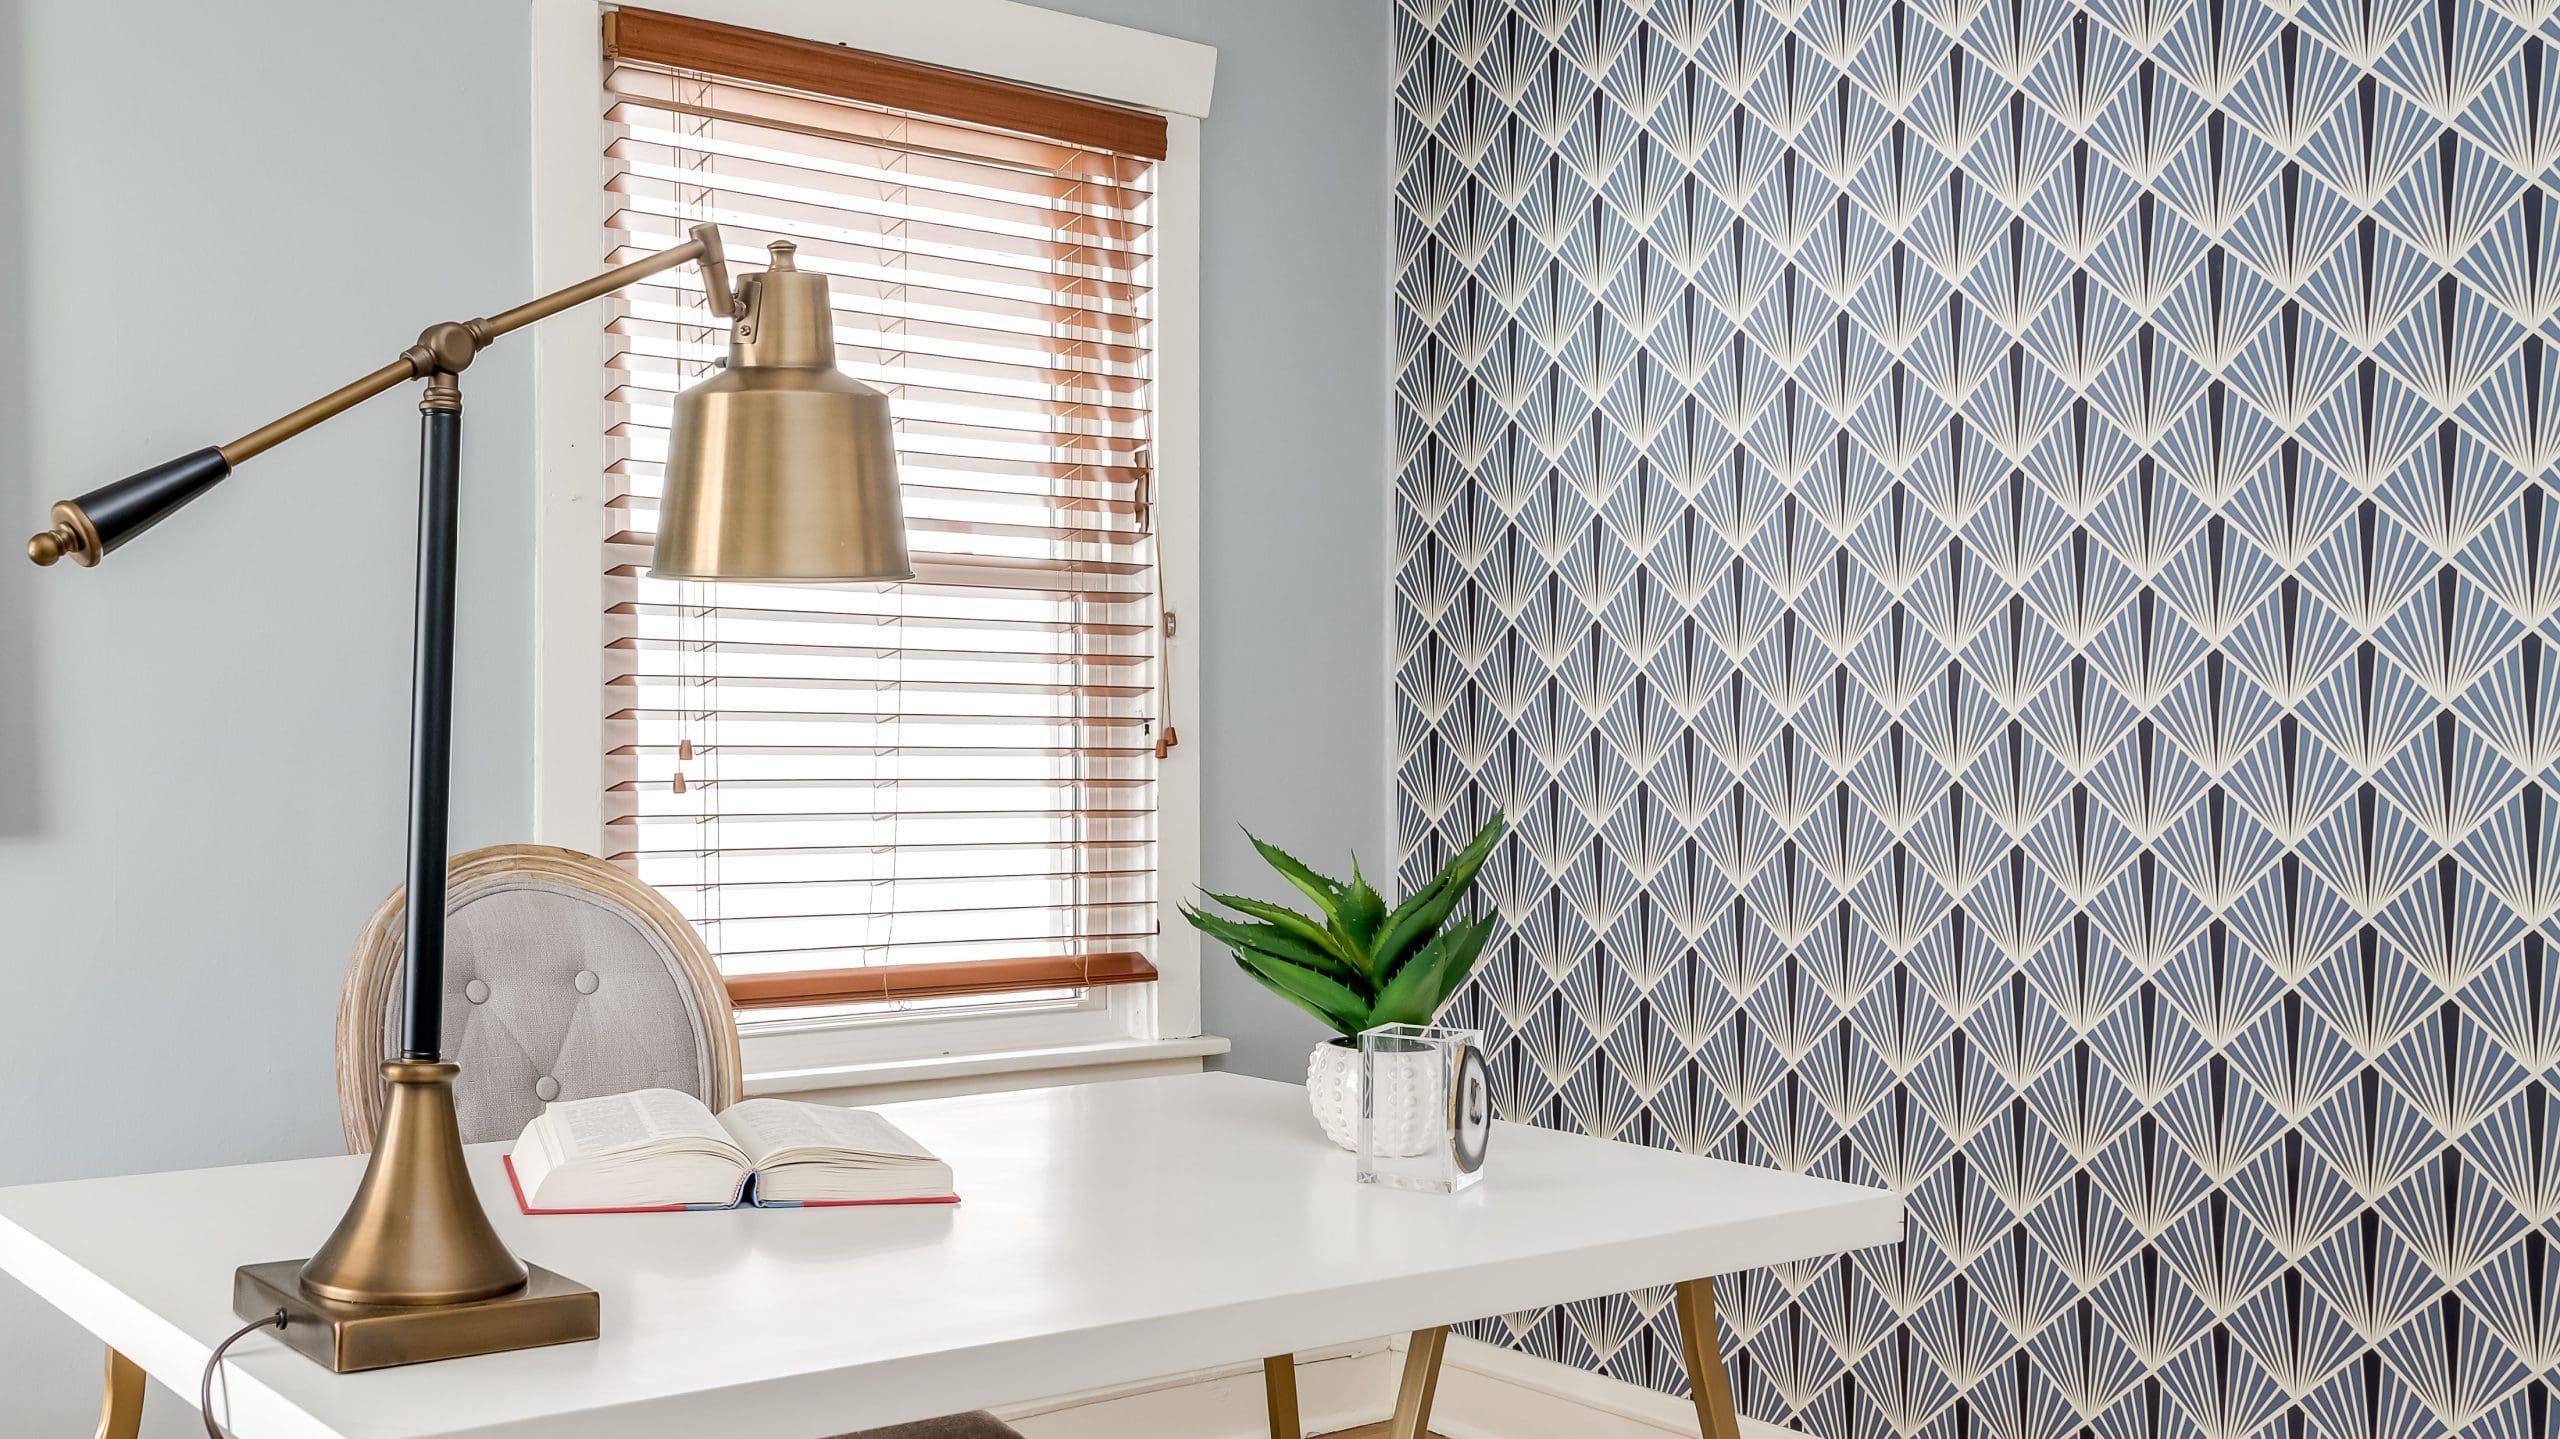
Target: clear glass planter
1424 1107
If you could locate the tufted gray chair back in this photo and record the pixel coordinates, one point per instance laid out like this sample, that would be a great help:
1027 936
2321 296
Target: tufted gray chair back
565 978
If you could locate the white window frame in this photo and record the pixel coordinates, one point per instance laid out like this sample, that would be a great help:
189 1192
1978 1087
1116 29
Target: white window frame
1134 1024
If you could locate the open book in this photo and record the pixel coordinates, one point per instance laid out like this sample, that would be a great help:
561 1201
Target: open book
657 1149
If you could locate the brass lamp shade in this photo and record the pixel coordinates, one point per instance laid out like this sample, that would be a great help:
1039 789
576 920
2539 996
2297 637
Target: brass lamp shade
782 467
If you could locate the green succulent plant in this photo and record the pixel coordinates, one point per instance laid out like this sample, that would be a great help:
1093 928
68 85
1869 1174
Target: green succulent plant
1357 964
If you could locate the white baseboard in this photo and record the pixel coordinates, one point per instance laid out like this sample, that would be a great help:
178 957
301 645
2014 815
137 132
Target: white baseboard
1337 1389
1486 1392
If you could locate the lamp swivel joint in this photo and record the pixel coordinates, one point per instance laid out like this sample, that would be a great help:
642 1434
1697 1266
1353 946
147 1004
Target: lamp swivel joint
448 348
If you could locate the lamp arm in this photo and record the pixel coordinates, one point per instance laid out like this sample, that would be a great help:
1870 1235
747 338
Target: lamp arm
86 529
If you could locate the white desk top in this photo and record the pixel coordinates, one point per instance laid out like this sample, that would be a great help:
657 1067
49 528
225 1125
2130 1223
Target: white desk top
1109 1233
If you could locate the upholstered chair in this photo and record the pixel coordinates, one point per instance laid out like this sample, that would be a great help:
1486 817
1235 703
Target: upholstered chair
564 978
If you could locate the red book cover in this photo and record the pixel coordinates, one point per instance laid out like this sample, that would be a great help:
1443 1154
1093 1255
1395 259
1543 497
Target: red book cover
745 1192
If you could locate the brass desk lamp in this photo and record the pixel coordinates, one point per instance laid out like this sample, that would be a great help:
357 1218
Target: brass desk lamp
780 467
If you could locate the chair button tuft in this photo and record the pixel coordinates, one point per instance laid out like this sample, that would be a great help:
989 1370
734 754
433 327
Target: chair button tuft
476 991
546 1089
586 981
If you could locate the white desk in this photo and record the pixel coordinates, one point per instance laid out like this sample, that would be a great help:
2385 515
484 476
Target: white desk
1109 1233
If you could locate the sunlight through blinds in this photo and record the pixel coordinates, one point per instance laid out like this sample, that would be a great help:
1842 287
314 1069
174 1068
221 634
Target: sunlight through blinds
944 787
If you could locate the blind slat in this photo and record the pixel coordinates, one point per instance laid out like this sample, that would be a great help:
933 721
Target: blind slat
1062 182
1107 544
770 110
1017 408
892 200
943 279
915 236
652 340
909 618
1072 486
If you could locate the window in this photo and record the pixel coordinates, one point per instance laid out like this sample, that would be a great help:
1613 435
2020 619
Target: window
942 790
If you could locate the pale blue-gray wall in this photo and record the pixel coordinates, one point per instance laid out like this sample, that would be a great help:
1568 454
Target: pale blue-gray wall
208 213
1294 511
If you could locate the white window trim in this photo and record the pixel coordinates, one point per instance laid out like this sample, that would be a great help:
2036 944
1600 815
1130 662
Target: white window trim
1124 1024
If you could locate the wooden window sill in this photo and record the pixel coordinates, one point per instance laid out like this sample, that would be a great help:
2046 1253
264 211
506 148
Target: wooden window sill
879 983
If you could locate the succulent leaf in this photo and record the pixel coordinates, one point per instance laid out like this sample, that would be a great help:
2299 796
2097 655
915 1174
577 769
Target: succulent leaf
1325 892
1426 981
1362 909
1319 935
1274 941
1461 962
1332 1002
1430 906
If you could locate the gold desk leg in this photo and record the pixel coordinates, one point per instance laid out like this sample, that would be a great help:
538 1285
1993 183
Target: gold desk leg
1701 1356
1421 1381
120 1415
1280 1394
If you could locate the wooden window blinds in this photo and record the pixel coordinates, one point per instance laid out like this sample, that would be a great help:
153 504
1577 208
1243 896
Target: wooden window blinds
944 787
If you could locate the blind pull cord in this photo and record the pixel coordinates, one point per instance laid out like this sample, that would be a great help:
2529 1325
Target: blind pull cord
1166 736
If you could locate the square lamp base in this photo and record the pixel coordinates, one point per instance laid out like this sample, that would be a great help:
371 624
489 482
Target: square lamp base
348 1337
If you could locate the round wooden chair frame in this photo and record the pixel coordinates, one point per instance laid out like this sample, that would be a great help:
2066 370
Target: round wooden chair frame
373 971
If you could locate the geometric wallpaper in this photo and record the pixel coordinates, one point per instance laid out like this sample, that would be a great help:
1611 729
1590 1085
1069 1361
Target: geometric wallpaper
2003 557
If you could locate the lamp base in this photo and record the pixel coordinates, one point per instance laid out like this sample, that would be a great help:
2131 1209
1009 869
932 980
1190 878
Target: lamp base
347 1337
414 1270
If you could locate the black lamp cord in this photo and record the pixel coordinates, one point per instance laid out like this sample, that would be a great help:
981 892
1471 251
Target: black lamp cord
204 1391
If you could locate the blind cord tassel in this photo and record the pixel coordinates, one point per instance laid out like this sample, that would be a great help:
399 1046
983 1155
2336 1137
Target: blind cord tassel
1166 735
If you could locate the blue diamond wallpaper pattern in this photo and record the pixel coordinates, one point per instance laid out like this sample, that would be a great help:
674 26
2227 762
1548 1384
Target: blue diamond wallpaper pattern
2003 556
